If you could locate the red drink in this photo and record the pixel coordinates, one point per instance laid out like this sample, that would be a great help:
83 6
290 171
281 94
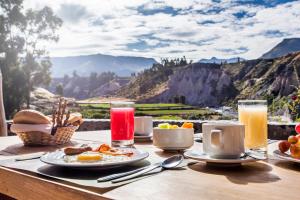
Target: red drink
122 124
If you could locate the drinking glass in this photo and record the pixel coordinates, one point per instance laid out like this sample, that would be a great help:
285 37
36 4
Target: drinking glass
122 123
253 114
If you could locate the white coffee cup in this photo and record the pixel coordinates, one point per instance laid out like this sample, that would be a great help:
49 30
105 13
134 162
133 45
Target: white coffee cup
143 125
223 140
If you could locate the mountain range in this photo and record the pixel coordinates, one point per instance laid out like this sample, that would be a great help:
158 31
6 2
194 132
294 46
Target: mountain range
126 65
209 82
215 60
289 45
84 65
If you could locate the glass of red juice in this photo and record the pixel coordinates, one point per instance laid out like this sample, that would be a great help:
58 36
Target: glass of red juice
122 124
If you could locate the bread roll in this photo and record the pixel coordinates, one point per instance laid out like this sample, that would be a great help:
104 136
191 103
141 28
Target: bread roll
75 119
30 117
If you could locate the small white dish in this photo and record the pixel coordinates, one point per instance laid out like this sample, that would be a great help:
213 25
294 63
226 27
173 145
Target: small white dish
285 156
200 156
173 139
143 125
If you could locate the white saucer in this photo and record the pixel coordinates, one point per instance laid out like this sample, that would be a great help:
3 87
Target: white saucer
143 138
198 155
173 148
285 156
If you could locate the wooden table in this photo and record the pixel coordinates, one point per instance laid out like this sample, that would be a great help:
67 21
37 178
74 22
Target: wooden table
271 179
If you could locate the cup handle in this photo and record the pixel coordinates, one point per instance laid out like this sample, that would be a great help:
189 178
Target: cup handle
216 138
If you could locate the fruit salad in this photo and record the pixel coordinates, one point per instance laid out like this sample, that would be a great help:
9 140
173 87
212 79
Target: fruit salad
292 144
170 126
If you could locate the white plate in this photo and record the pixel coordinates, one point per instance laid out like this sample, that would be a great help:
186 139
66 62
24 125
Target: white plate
57 158
285 156
198 155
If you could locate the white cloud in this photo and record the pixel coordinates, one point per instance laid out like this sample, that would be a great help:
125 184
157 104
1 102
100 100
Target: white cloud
197 31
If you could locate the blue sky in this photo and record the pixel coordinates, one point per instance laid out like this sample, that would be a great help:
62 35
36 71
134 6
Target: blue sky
172 28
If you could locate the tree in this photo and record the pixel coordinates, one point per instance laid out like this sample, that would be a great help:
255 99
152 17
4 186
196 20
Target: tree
92 82
39 26
75 75
59 89
12 45
66 79
21 34
182 99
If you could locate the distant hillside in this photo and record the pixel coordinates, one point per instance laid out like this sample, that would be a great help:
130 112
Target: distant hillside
198 84
215 60
215 84
285 47
84 65
95 85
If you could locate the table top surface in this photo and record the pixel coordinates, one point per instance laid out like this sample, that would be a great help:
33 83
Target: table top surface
269 179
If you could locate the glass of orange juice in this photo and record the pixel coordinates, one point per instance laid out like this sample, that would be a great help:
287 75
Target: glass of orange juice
253 114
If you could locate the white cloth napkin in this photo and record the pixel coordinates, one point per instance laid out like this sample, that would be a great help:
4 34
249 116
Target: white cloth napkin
17 128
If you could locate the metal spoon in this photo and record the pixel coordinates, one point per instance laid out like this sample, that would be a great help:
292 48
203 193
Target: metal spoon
169 163
254 155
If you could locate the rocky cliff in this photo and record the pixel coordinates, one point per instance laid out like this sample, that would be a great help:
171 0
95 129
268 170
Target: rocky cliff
198 84
215 84
42 100
265 77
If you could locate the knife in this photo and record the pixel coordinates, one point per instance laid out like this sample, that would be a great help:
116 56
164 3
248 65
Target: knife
30 156
119 175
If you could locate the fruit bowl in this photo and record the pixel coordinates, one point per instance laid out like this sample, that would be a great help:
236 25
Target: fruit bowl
285 156
173 139
290 149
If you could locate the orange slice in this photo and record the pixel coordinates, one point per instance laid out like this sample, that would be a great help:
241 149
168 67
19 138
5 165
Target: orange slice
187 125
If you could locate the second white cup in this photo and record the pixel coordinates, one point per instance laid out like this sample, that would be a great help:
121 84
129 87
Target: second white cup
143 125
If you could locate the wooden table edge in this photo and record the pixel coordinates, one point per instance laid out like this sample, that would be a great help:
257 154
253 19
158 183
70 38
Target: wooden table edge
32 187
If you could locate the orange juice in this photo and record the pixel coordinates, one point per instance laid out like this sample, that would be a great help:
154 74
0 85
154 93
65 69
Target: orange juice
254 117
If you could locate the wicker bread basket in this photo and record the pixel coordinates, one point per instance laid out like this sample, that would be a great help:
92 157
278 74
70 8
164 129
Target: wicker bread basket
62 136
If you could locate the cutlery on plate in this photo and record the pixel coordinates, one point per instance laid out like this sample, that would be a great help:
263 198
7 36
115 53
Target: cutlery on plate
119 175
169 163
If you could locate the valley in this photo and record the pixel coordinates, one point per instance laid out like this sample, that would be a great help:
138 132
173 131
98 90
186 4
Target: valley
208 83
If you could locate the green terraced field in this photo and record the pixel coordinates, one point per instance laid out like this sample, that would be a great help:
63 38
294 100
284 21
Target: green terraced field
159 111
158 105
